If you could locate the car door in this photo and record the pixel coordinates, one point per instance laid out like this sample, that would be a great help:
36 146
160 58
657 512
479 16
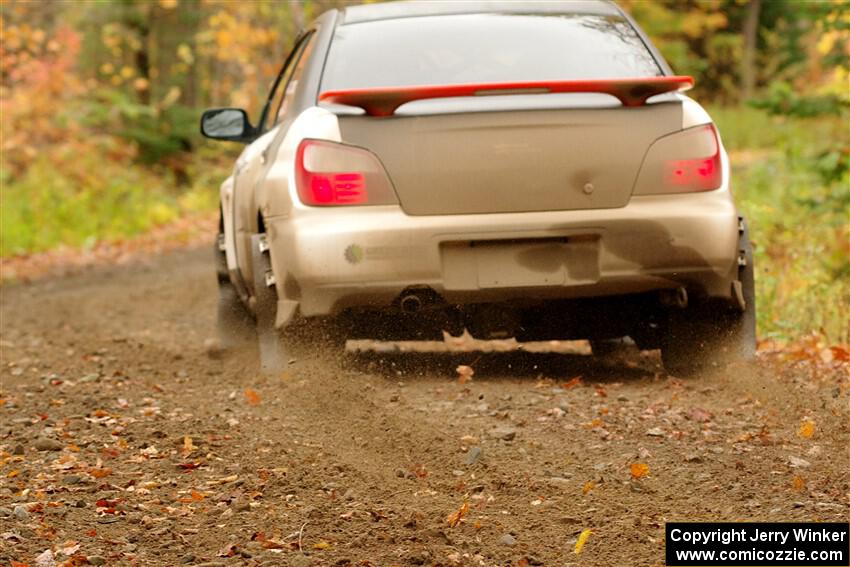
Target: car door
250 165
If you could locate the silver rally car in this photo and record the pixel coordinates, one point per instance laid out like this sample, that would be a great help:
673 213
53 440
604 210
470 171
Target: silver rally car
516 169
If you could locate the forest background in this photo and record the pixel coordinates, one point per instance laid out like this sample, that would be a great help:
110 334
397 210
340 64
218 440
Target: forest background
99 142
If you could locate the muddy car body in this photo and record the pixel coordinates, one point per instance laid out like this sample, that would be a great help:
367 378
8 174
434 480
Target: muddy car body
513 168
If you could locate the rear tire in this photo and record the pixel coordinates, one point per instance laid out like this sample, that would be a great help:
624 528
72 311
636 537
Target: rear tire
234 322
703 335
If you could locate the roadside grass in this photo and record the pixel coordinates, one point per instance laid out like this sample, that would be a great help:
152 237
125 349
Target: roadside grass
787 177
91 198
748 128
791 183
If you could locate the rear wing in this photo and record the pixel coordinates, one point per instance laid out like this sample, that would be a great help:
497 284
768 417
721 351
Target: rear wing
383 101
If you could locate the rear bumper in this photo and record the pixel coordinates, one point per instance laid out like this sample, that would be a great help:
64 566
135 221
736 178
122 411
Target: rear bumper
327 260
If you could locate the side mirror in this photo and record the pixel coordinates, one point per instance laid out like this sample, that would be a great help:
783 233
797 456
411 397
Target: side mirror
231 124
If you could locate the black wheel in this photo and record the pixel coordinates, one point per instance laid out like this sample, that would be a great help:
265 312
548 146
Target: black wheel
708 334
273 357
235 323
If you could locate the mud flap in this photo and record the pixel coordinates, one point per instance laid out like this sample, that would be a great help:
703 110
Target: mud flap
273 358
745 342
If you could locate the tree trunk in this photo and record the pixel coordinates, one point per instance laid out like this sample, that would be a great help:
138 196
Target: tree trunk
142 58
748 64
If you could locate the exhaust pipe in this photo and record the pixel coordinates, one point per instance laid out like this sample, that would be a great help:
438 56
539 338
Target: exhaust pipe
675 297
411 303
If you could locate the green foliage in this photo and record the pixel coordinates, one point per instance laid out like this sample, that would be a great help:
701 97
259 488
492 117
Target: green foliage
796 195
782 99
170 132
157 132
748 128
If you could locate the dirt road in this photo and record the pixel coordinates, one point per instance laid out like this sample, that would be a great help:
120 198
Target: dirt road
122 435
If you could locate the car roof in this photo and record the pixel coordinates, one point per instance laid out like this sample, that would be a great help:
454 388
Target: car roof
415 8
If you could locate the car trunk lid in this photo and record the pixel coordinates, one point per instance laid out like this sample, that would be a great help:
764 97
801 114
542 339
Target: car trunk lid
514 160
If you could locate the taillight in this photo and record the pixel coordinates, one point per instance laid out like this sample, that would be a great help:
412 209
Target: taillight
684 162
331 174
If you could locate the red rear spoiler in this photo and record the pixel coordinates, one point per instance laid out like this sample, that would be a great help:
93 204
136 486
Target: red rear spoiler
384 101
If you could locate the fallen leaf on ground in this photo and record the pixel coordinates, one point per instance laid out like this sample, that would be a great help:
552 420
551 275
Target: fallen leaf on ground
321 545
798 463
188 446
588 486
269 543
799 484
807 429
194 496
840 354
571 383
273 544
455 517
252 397
419 470
100 473
66 462
225 480
45 559
700 415
582 539
69 548
639 470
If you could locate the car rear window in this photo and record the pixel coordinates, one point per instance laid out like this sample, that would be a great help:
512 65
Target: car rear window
485 48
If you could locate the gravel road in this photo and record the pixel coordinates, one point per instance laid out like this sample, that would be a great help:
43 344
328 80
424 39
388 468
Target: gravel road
125 441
